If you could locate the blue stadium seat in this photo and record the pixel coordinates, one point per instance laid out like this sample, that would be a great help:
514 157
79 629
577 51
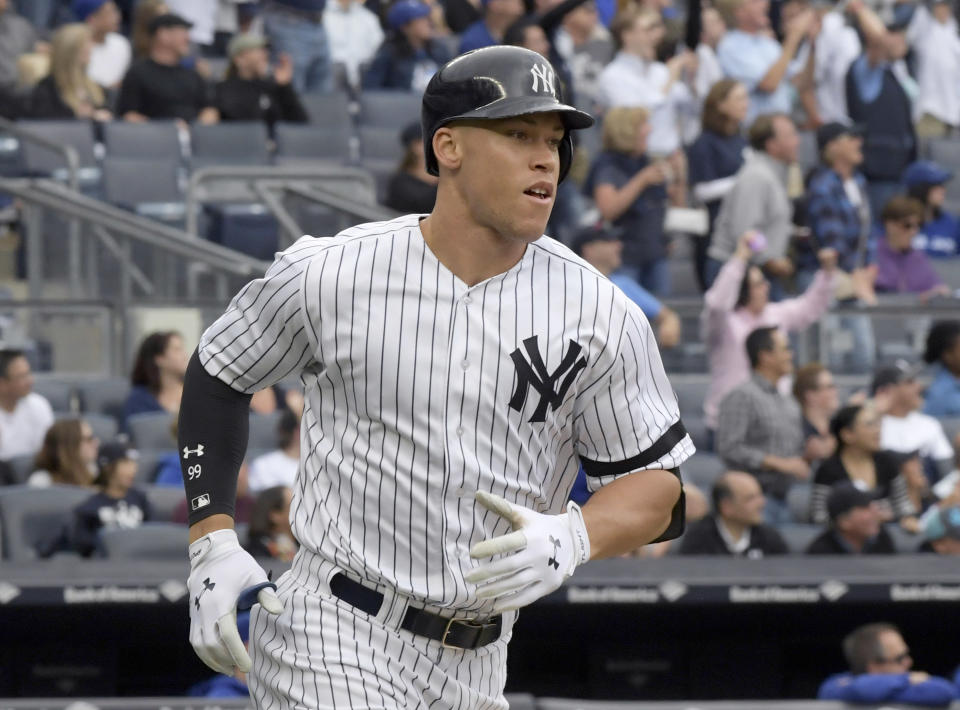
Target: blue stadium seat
389 109
333 110
150 541
147 186
235 143
40 161
60 394
153 139
151 430
299 143
164 501
104 396
378 143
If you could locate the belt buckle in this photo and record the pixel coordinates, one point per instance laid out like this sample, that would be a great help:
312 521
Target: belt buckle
446 631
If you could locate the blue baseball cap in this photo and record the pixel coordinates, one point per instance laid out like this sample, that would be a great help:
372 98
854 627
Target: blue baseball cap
925 172
82 9
405 11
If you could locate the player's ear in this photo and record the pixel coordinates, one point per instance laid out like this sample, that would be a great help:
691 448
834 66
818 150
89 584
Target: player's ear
448 147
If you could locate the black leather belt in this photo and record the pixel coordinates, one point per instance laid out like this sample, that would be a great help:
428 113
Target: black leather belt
452 633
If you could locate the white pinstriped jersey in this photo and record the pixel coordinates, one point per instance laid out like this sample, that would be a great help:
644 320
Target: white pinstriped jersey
421 390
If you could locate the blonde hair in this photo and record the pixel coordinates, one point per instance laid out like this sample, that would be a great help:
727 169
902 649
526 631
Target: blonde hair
620 128
69 74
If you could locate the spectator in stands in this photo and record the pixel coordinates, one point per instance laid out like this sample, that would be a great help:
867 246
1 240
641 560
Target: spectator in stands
270 535
117 505
855 525
143 15
110 54
278 467
816 393
411 54
716 156
877 100
900 267
68 92
17 37
939 236
838 216
601 247
498 15
943 352
941 533
587 47
737 303
157 376
709 71
696 508
630 192
25 415
412 190
250 92
527 33
68 456
904 428
760 430
159 86
859 460
636 78
749 54
354 34
880 672
222 685
932 35
758 201
736 526
295 27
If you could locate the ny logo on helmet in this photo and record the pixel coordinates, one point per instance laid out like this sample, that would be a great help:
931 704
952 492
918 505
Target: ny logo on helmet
542 75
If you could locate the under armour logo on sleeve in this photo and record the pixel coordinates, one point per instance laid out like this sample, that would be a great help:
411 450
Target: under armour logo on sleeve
533 373
196 452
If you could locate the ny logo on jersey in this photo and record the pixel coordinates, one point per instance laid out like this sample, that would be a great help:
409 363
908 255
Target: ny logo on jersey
533 373
207 585
542 75
553 561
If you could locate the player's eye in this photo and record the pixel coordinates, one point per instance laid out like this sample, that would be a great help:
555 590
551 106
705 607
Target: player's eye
517 133
555 142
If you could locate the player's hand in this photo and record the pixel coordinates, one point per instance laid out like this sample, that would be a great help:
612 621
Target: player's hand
223 578
541 552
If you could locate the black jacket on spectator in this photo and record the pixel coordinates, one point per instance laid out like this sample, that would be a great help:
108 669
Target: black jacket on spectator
101 511
258 100
827 543
703 538
394 63
891 487
45 102
407 194
163 91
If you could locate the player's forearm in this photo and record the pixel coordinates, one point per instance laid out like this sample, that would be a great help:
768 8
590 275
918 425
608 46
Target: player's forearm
219 521
630 512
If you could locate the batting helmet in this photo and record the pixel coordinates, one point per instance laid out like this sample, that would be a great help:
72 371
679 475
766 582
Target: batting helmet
496 82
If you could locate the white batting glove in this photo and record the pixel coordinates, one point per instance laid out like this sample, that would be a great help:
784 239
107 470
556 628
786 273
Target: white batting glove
542 551
223 577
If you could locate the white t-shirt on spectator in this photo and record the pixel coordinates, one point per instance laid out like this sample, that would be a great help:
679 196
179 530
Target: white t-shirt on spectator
937 48
836 48
272 469
915 432
202 13
109 61
23 429
354 35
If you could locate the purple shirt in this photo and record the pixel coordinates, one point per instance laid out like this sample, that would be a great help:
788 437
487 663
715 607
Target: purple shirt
908 271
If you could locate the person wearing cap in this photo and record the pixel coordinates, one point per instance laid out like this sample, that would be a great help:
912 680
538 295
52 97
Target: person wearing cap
932 35
159 87
904 428
860 460
354 33
941 531
943 352
855 525
601 247
110 54
411 187
939 236
250 92
498 15
117 505
900 267
411 54
881 671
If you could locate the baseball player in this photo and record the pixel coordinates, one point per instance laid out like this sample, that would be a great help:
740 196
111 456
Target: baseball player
458 369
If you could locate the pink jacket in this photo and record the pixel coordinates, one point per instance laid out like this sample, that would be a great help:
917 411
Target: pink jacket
725 327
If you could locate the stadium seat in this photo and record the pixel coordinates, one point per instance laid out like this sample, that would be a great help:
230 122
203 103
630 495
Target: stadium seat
41 161
949 271
151 430
247 227
153 139
951 427
798 535
690 396
331 110
33 518
702 470
807 154
798 502
389 109
59 394
299 143
234 143
105 396
263 431
147 186
163 501
104 426
904 542
22 467
683 279
150 541
148 464
380 144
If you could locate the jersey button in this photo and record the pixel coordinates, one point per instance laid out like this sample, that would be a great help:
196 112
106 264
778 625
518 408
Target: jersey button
467 300
465 364
459 431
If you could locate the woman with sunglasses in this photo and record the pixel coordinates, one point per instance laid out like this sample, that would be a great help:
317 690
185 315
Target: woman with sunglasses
900 267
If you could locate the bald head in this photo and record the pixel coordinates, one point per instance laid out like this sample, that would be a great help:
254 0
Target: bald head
737 497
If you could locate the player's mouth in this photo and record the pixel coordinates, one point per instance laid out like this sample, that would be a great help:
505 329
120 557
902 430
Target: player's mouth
541 191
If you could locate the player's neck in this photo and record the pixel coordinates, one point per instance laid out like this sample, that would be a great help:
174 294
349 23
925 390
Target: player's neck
472 253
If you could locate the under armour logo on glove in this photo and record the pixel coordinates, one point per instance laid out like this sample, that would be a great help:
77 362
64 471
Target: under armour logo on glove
207 585
553 558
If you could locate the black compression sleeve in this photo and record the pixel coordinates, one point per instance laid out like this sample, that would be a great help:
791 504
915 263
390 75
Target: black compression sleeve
213 431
